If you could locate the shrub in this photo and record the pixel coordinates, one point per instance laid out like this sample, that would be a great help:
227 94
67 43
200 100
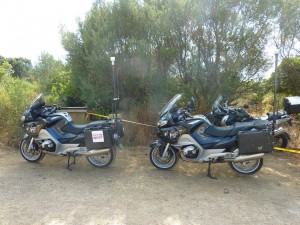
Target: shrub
15 96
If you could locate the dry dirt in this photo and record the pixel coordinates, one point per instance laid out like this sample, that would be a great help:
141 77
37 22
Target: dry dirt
132 191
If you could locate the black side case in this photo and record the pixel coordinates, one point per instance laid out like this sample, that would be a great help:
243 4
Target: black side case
253 142
98 138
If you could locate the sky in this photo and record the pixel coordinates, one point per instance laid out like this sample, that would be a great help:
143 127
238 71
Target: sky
30 27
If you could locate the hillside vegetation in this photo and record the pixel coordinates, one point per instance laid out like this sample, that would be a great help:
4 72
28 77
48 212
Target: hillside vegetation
201 48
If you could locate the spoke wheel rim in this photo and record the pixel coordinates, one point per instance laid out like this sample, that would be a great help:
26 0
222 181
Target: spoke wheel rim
101 160
30 154
163 162
247 166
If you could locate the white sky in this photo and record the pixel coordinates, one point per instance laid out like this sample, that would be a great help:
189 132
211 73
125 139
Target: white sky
30 27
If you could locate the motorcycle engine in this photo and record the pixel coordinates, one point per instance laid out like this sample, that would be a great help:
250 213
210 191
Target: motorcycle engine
48 145
190 152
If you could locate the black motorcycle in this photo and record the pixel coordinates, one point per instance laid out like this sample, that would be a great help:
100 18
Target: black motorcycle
196 139
224 115
54 133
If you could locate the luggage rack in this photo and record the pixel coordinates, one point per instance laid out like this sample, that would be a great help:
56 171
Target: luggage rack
297 151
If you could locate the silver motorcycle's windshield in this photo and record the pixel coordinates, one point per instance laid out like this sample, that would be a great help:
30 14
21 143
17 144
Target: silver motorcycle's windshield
170 104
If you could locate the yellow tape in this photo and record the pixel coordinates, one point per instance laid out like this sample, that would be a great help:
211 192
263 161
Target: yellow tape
93 114
287 150
127 121
142 124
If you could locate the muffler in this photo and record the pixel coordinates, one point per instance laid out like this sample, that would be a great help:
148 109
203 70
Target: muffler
243 158
96 152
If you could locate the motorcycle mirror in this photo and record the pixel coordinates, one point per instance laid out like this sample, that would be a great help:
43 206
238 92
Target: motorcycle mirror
246 106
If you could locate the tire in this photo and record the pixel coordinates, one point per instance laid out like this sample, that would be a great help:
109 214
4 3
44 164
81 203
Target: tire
163 163
247 167
102 160
281 141
33 155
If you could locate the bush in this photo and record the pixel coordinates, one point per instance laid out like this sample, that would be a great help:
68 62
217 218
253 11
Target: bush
15 96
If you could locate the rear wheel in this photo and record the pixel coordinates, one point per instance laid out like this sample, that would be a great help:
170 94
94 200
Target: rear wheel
281 141
32 154
247 167
164 163
102 160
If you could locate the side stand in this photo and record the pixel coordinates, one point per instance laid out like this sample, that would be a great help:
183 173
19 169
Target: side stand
209 172
74 160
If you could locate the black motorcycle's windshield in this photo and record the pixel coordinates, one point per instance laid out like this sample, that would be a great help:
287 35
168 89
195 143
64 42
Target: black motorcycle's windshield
37 101
170 104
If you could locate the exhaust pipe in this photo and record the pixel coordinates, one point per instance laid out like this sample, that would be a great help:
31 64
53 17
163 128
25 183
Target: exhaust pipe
96 152
243 158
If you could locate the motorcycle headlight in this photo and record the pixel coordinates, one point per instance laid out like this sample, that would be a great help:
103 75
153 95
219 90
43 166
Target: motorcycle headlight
174 134
162 123
22 119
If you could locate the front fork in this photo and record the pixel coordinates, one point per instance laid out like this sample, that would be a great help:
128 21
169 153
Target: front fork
162 146
165 151
26 136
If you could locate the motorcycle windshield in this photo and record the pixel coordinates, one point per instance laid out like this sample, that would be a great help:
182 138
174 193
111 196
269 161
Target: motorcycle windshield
217 102
38 101
170 105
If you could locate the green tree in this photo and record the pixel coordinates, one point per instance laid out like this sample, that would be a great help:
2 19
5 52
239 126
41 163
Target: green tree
289 77
52 76
165 46
5 68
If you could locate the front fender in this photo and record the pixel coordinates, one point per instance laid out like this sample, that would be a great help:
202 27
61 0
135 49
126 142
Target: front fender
161 145
157 143
26 136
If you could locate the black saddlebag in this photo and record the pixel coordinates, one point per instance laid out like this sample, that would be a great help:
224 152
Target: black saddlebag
98 138
252 142
292 104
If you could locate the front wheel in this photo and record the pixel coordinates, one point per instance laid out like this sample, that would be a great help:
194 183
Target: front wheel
34 154
247 167
164 163
102 160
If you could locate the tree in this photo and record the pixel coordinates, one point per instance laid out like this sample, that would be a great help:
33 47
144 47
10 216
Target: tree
289 77
53 77
20 66
287 25
165 46
5 68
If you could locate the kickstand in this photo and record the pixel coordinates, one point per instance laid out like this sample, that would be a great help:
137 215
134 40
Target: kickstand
209 172
69 164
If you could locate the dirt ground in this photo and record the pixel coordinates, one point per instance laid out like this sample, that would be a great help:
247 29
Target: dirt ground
132 191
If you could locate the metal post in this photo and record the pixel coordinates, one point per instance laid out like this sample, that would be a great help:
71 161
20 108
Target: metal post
115 99
275 91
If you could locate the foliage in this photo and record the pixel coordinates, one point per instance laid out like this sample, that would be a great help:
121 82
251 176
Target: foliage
20 66
15 96
162 47
5 69
206 47
289 77
53 77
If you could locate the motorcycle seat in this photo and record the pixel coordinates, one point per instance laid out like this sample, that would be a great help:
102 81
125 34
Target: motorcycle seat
79 128
227 131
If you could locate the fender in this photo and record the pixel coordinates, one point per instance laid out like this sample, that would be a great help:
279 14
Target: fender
157 143
26 136
281 131
161 145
